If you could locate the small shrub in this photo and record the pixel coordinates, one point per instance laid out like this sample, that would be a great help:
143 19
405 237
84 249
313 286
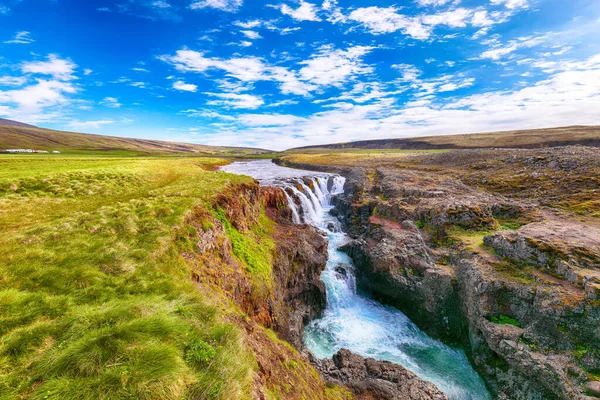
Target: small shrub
200 353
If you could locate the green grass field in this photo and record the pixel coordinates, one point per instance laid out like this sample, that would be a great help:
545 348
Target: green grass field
95 300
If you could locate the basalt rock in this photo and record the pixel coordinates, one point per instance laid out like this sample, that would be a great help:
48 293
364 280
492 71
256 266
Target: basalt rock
372 379
398 267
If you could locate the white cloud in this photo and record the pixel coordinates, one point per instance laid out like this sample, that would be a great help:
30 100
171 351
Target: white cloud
457 18
435 3
22 37
87 71
4 10
327 67
58 68
409 72
251 34
12 80
138 69
160 4
186 87
286 102
36 102
512 4
249 24
499 50
452 86
76 124
287 31
223 5
333 66
306 12
111 102
234 100
386 20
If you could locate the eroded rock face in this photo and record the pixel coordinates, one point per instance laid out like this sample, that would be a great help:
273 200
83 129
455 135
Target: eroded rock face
372 379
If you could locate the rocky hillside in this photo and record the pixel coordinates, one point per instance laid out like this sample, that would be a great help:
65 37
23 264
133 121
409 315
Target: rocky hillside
572 135
494 249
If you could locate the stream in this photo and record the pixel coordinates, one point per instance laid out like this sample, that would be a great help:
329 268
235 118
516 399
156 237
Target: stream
351 319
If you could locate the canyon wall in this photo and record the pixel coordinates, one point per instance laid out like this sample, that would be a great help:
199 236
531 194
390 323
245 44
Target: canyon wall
515 284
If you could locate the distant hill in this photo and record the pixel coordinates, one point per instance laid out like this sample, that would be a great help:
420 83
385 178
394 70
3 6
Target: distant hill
18 135
572 135
14 123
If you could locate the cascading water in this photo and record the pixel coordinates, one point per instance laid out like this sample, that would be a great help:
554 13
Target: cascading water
354 321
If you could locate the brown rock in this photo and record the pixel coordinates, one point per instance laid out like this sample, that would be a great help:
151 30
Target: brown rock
593 388
372 379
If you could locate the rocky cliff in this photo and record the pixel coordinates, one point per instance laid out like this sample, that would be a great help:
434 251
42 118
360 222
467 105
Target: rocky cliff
515 282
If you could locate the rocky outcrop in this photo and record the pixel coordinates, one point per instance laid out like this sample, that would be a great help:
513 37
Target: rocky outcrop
372 379
399 268
567 249
523 302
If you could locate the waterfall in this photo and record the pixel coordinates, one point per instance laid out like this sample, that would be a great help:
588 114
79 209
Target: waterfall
323 184
308 208
338 184
292 205
319 192
313 198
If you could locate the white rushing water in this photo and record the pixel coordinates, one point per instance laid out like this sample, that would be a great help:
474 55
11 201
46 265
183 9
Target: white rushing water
351 320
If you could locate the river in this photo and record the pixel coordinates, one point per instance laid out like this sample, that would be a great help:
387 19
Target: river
352 320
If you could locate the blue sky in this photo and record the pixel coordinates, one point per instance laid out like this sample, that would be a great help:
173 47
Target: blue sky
286 73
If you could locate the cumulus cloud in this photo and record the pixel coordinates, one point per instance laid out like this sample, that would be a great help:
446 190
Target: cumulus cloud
185 87
251 34
223 5
36 102
306 11
58 68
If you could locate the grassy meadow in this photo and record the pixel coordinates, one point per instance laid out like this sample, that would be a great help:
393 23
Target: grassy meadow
95 300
